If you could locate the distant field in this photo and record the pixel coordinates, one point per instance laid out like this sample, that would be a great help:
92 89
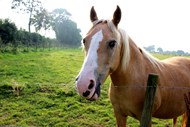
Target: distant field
37 89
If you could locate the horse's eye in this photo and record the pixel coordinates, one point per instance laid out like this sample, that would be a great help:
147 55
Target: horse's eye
112 44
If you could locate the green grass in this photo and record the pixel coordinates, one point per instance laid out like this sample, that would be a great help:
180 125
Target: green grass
37 89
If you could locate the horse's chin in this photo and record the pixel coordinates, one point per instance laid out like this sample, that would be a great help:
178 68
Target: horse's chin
94 97
96 94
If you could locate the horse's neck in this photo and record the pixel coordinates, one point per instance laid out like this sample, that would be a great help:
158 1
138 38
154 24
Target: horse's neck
136 69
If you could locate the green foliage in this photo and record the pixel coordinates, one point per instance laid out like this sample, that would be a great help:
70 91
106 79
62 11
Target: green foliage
65 29
47 95
7 31
42 19
67 33
11 38
59 20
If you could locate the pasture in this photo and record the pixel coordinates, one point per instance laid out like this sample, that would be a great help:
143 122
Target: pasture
38 89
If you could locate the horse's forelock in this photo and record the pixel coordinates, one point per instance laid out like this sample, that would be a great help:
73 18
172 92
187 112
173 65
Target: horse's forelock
98 22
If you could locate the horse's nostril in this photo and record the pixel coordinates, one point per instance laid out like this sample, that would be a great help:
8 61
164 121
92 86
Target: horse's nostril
91 85
85 94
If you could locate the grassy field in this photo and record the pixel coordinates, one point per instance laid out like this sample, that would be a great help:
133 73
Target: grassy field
37 89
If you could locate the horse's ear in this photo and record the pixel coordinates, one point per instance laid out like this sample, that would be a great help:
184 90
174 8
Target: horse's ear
116 16
93 15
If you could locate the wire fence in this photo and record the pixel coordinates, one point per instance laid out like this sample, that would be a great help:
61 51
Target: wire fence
142 86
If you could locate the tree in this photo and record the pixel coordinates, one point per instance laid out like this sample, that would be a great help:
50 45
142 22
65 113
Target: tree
150 48
8 32
12 37
23 36
65 29
160 50
60 14
42 19
30 7
180 52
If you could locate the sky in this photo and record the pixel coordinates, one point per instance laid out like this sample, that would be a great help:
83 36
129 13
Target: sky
164 23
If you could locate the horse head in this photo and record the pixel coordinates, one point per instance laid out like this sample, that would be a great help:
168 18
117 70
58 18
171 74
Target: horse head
102 47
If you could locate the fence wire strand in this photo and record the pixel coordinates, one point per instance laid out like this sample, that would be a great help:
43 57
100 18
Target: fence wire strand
141 86
71 84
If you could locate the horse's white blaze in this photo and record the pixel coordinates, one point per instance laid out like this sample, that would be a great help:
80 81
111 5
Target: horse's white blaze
91 59
90 63
92 56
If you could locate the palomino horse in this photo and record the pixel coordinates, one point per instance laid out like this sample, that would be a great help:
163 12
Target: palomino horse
109 51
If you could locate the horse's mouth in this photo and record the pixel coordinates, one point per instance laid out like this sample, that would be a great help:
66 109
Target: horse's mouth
96 94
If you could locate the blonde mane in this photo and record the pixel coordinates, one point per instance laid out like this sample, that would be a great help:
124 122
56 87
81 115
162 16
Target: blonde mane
126 50
153 60
125 58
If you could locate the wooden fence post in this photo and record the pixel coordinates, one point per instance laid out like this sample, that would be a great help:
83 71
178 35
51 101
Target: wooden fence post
149 100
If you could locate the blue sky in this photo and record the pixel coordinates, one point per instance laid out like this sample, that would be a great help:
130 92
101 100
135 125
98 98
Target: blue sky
164 23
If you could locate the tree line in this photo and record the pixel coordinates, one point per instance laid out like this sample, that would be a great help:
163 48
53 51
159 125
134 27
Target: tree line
59 20
12 38
152 49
